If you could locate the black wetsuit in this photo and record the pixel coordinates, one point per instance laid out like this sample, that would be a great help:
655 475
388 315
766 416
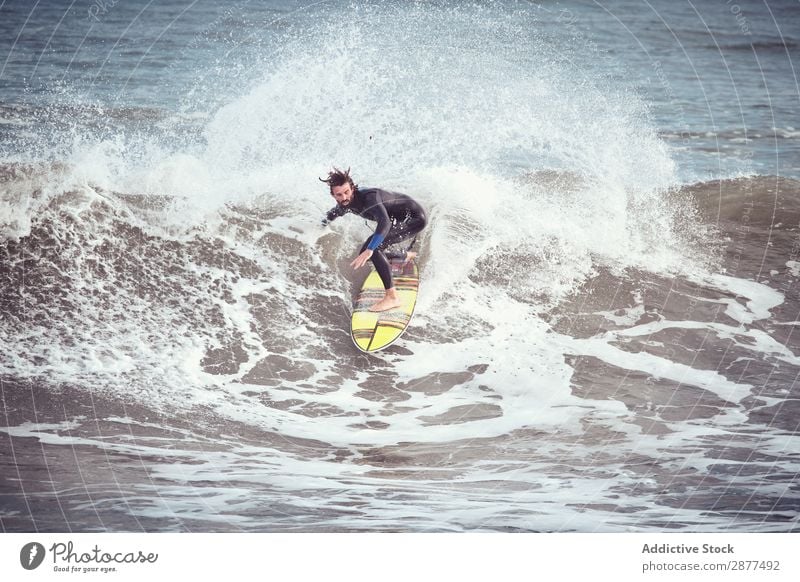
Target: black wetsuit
398 216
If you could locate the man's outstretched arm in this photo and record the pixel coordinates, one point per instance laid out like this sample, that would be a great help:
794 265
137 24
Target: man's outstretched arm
333 214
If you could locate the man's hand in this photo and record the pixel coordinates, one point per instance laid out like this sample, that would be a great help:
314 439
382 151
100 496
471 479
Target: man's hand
361 259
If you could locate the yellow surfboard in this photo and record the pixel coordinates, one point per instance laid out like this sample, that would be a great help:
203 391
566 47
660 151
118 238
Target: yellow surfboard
373 331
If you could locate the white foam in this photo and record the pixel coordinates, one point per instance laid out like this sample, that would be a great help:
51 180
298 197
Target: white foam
658 367
759 298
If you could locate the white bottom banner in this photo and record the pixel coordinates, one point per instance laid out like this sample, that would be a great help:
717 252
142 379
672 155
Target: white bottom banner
390 557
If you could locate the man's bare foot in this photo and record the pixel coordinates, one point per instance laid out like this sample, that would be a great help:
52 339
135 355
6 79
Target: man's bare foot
410 256
389 301
386 304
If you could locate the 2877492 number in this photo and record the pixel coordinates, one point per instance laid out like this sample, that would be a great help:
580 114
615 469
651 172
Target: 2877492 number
747 565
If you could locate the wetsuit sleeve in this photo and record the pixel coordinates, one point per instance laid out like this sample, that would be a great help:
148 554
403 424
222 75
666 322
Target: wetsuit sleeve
334 213
378 210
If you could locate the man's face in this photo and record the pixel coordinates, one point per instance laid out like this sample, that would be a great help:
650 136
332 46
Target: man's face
342 194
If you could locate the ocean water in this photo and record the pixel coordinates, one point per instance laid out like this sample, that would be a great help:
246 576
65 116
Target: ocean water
604 336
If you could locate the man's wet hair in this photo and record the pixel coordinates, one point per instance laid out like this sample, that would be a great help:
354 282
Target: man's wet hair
337 177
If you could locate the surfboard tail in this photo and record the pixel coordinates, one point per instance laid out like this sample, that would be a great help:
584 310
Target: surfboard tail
373 331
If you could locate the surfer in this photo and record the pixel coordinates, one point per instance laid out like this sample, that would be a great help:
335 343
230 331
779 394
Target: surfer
399 217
